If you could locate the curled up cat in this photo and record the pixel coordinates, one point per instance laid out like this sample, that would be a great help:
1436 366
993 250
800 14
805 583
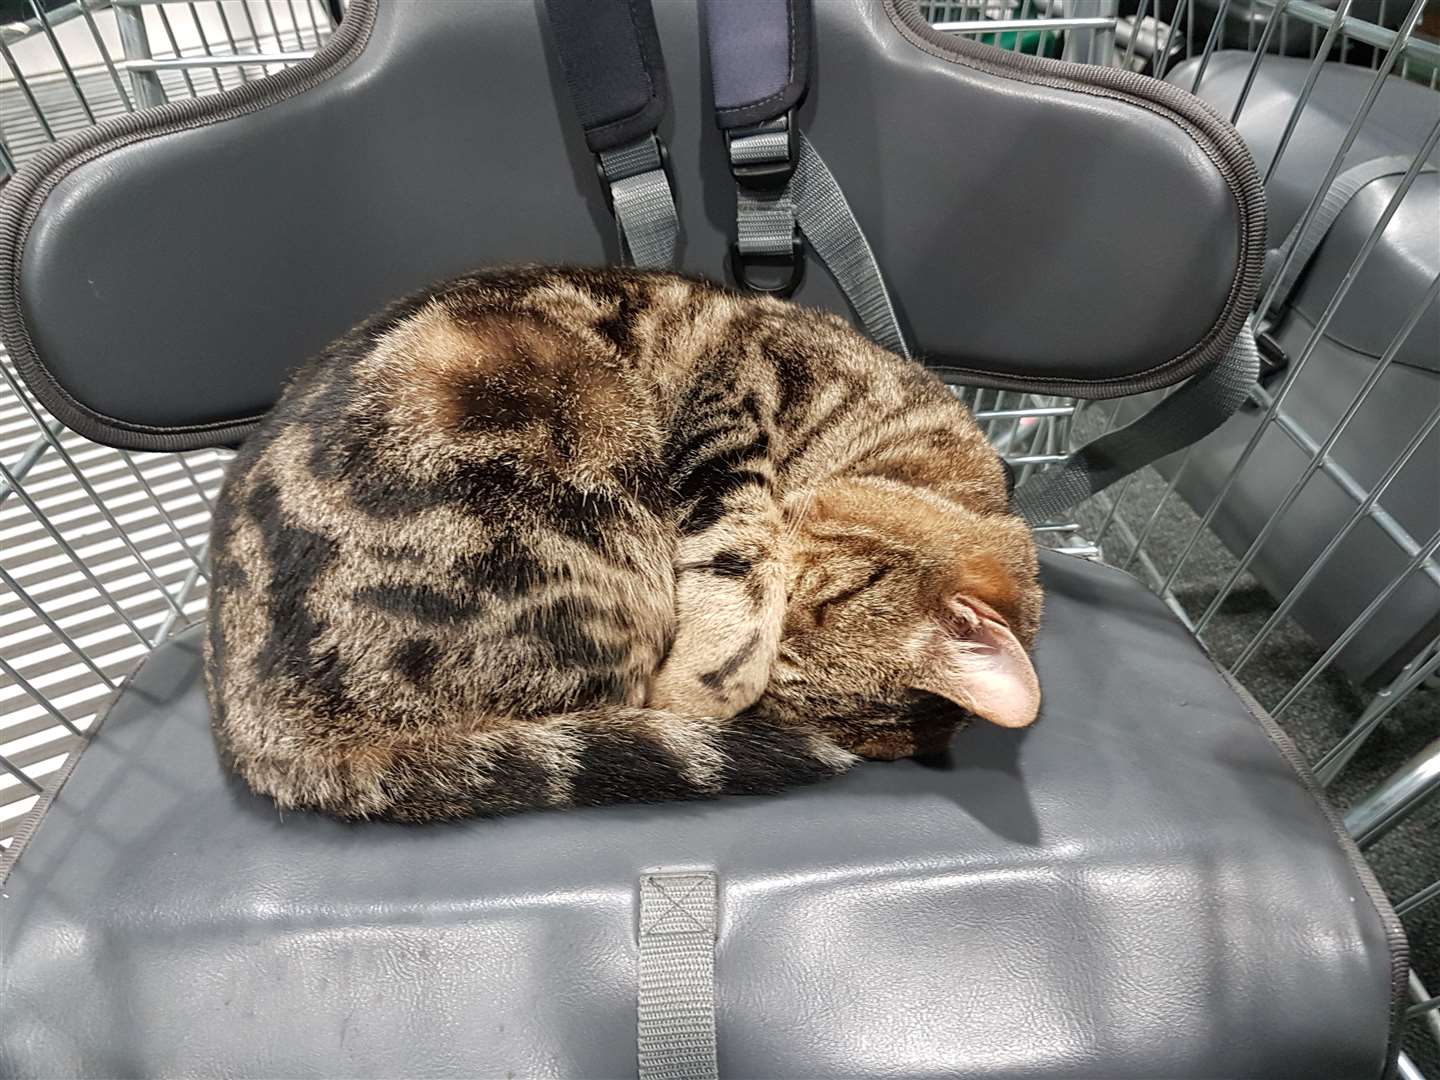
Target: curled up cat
560 537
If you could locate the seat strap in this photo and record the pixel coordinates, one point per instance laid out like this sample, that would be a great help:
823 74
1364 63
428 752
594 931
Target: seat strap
786 196
1186 416
676 1017
1290 259
610 53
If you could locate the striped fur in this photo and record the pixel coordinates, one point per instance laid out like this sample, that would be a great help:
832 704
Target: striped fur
546 537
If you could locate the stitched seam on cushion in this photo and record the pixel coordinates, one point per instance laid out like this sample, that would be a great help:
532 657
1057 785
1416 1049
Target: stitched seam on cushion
1389 921
1084 79
39 177
31 821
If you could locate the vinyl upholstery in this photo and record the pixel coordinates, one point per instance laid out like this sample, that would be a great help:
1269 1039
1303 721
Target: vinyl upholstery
1139 886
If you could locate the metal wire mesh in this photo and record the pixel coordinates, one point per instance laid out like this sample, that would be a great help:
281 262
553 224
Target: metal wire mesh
102 553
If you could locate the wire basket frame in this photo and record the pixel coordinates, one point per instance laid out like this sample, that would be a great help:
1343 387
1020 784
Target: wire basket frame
102 553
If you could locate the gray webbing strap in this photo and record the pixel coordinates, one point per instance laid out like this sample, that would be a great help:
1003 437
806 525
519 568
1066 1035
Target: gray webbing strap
643 203
829 225
1197 408
1298 249
812 199
676 1006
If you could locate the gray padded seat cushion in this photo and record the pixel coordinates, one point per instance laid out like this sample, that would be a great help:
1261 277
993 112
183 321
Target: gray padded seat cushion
1405 262
1139 886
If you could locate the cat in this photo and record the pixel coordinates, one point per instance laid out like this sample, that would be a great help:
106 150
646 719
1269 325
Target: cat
561 537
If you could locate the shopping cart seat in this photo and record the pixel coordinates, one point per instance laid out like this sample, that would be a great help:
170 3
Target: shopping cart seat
1142 885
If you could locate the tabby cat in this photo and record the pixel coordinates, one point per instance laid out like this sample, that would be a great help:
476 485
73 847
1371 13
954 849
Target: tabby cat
557 537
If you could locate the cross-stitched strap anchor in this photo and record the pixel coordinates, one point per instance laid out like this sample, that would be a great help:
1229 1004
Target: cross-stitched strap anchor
676 1017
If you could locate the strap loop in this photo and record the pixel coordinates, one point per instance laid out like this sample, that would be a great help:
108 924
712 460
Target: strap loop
1193 411
610 53
675 1019
636 180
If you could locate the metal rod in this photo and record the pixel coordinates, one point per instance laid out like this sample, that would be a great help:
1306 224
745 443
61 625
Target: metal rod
49 30
174 47
1397 798
1039 410
33 453
1371 33
19 31
1311 75
73 555
1162 58
1321 453
1333 544
250 21
1418 900
274 24
1035 459
195 482
105 57
163 634
1406 1069
20 774
1210 40
1419 992
1154 518
314 23
229 37
135 45
1357 625
295 22
1382 518
204 43
1333 763
85 484
24 85
54 627
170 522
1000 26
1134 34
1292 373
1254 68
39 698
182 63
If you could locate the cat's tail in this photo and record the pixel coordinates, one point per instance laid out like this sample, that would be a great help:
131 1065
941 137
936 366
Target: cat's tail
587 758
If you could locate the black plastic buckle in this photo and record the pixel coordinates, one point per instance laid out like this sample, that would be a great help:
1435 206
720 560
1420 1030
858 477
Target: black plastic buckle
767 175
773 275
1273 357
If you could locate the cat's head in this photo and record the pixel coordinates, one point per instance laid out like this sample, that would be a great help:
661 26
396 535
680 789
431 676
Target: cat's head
890 591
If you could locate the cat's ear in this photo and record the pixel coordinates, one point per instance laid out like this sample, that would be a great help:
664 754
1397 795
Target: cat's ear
972 658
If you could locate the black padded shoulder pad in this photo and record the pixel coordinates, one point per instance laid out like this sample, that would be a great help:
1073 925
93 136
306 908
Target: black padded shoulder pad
1043 225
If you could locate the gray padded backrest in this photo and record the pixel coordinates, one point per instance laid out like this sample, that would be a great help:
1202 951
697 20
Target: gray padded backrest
1042 225
1400 269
